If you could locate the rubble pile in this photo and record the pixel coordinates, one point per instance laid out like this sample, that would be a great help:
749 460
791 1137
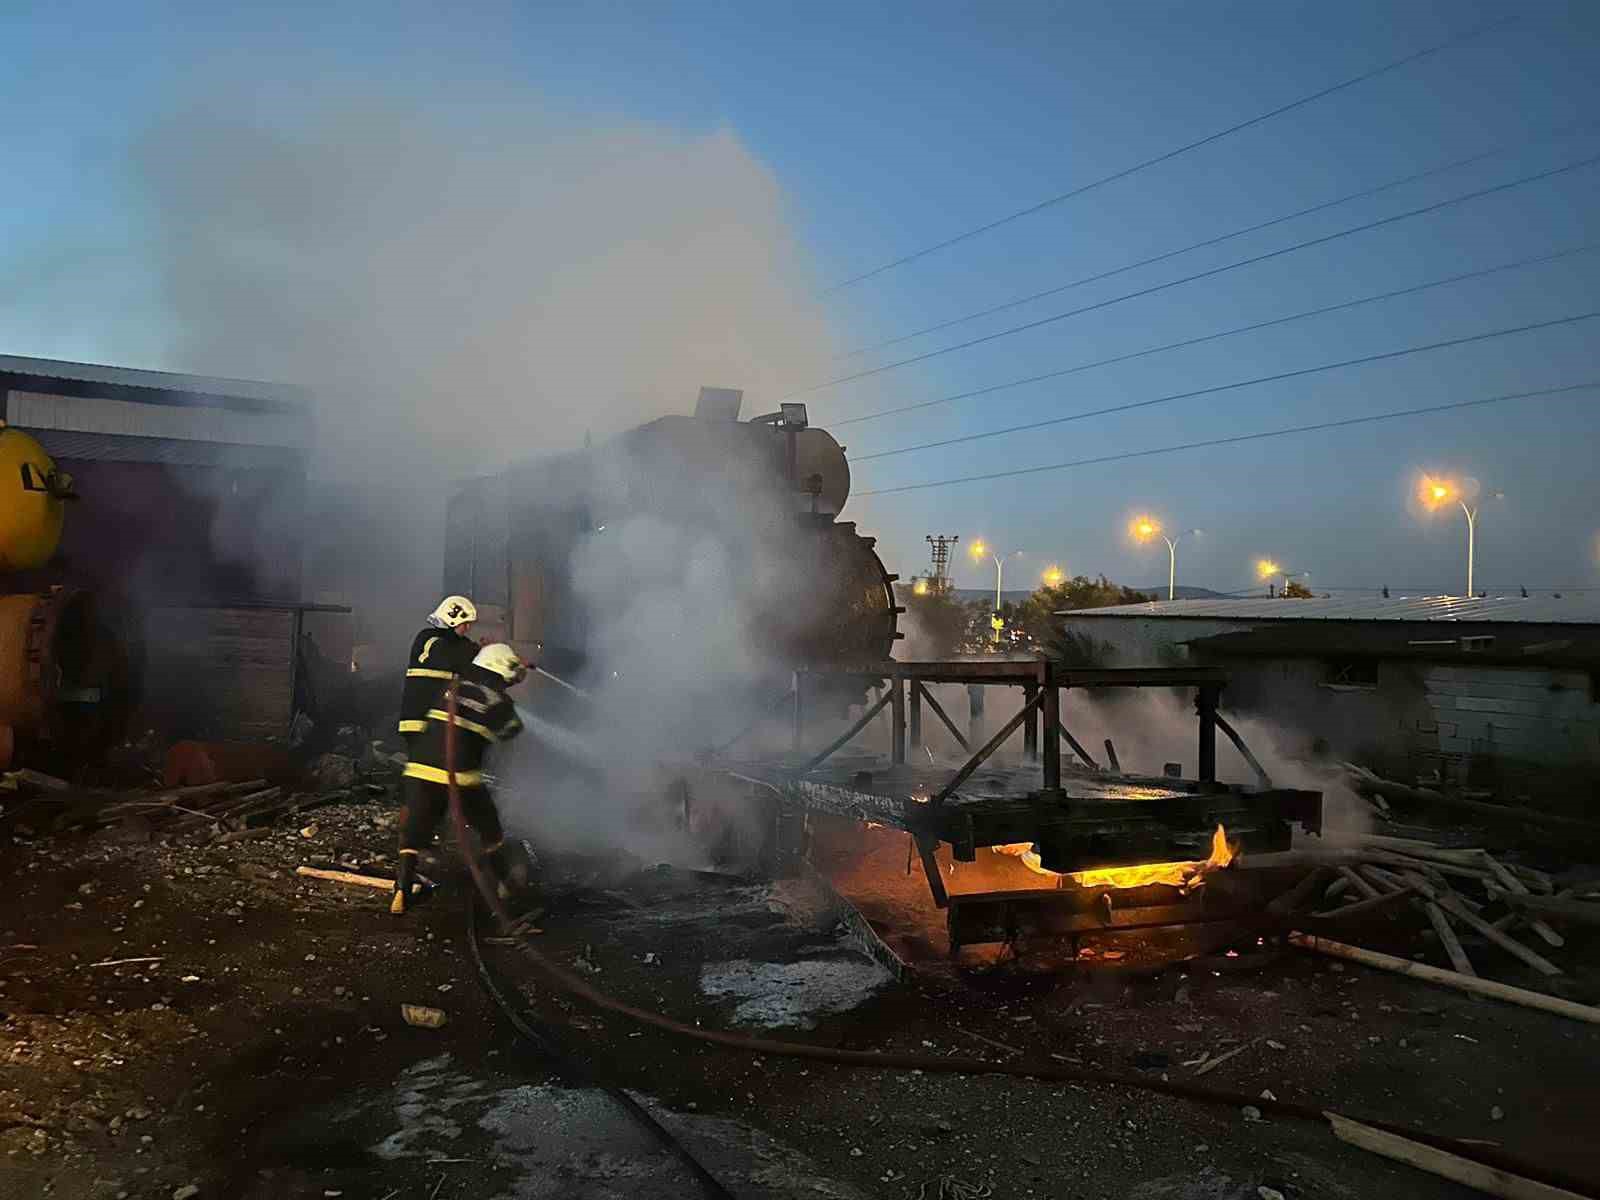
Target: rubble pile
224 810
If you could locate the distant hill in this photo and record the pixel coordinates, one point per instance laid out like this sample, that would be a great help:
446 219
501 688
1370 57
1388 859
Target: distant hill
1017 597
1186 593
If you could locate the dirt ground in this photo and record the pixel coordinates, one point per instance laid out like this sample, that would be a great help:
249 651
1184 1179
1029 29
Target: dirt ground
253 1046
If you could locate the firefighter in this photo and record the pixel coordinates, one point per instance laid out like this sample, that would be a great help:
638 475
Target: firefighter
441 651
484 715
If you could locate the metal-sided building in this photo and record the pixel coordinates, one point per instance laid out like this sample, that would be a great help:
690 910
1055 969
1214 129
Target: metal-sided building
1499 690
186 533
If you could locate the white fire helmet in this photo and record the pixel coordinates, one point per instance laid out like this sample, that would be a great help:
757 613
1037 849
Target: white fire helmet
502 660
454 611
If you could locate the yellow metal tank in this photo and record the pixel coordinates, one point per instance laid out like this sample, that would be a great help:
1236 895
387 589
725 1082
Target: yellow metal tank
33 495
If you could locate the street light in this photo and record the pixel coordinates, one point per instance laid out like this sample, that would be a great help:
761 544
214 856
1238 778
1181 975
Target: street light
980 549
1053 576
1266 568
1435 493
1145 529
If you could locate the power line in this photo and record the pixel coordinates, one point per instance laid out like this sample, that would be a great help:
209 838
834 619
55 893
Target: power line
1171 154
1364 193
1237 438
1211 337
1161 287
1228 387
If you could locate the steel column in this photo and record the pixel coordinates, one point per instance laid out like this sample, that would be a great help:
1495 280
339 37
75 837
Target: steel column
1205 703
897 702
1051 711
915 724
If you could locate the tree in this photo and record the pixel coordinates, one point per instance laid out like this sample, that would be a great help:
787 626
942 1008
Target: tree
1035 616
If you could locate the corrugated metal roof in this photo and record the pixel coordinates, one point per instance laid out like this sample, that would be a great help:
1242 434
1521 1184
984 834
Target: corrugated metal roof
1546 609
176 452
97 415
161 381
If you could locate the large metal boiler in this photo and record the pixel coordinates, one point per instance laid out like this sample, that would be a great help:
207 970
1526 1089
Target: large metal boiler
755 501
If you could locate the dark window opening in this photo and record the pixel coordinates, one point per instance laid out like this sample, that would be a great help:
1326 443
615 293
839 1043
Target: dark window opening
1353 672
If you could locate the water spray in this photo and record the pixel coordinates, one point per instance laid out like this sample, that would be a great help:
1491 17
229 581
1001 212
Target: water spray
573 688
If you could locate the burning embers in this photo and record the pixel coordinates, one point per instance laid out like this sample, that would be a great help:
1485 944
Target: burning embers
1176 874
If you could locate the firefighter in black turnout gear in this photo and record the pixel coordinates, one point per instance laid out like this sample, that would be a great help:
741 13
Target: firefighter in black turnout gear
484 715
440 652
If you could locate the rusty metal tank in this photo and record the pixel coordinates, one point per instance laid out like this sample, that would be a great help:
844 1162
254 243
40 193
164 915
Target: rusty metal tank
63 675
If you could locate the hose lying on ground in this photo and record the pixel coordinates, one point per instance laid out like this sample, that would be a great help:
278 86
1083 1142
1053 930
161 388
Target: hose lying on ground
564 981
519 1016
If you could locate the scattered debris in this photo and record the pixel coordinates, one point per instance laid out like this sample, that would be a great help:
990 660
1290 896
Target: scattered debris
423 1017
1216 1062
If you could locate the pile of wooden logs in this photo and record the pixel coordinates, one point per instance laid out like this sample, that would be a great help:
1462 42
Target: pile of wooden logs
1458 891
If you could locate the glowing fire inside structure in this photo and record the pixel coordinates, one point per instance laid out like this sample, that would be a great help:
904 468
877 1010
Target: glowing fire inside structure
1176 874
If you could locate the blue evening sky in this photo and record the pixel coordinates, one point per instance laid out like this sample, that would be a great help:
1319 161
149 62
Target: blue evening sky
893 126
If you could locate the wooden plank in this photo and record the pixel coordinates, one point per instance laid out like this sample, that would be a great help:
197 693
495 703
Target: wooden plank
1492 1181
1586 912
1453 979
1364 907
1448 939
1361 885
1513 884
1452 905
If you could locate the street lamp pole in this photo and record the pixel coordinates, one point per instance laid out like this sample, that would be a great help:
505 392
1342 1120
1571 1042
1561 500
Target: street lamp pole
1145 528
1435 492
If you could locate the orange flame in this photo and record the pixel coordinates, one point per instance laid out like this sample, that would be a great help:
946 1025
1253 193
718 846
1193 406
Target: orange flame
1175 874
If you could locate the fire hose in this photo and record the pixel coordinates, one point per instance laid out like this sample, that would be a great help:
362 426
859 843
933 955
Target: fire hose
517 1014
564 981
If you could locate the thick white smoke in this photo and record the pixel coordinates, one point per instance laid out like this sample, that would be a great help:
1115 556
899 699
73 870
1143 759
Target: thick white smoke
461 292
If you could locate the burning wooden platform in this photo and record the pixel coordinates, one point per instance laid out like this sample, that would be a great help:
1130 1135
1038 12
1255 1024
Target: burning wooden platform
1093 833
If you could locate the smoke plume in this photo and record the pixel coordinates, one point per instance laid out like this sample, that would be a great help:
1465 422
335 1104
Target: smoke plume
460 292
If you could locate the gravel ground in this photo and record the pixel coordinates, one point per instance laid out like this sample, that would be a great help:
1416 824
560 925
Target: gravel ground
263 1054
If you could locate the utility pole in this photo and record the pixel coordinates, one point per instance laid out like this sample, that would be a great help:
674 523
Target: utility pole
939 570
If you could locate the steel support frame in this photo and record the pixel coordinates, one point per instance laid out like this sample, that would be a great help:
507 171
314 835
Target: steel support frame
1042 683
